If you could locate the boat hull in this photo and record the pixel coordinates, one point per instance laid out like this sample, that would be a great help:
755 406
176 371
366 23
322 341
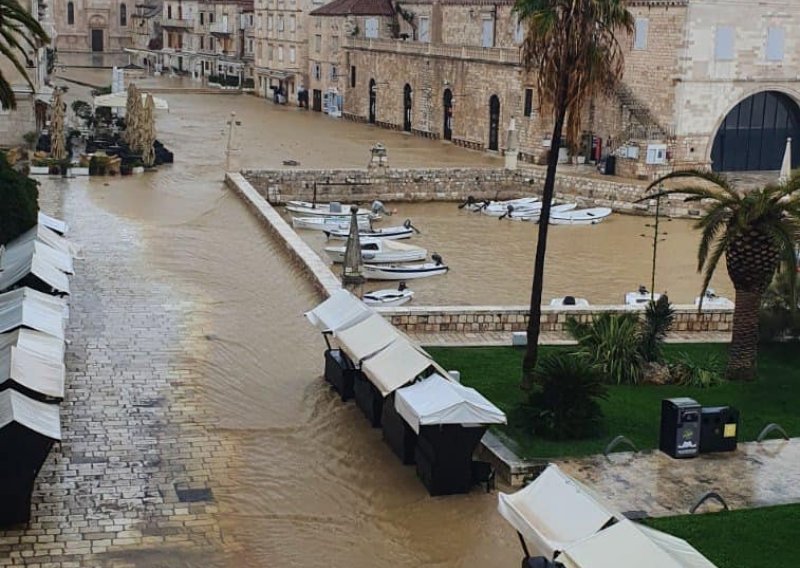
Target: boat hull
327 223
388 298
580 216
389 233
380 257
409 272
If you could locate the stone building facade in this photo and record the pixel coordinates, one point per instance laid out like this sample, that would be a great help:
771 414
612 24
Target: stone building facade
330 26
179 23
93 26
146 35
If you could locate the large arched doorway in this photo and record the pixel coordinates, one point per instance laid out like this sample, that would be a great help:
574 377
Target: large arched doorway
753 135
373 100
494 122
407 105
447 103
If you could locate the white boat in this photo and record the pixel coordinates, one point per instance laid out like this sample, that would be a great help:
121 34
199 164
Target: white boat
569 301
376 251
536 214
711 300
405 271
640 297
333 209
389 297
472 205
580 216
404 231
328 223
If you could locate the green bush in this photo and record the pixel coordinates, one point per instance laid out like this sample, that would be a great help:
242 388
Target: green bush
689 372
564 403
19 202
611 343
658 318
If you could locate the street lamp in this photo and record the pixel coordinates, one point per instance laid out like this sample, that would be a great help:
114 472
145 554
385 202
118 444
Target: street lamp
228 148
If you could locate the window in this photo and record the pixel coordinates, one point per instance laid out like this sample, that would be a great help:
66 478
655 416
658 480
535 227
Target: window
280 53
776 39
211 17
640 33
291 54
280 23
169 11
352 75
269 22
317 71
202 42
334 43
123 15
317 43
250 46
334 73
723 43
424 29
202 18
70 13
292 23
519 32
270 53
251 20
371 27
528 110
487 32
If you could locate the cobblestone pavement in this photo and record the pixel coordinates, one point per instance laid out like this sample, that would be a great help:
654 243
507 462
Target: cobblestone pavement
134 469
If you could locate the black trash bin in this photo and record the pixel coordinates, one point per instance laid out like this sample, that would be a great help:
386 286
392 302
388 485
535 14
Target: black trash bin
680 427
368 399
611 166
340 373
398 434
444 457
719 429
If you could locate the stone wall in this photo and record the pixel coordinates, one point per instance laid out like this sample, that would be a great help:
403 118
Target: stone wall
14 124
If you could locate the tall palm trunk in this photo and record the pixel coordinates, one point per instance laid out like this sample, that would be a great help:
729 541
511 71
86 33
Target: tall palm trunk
743 351
534 321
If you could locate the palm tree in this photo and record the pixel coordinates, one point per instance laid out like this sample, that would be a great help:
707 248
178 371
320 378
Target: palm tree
755 231
573 47
18 29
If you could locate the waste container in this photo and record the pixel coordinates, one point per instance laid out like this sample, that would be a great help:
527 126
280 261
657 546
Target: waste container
680 427
397 433
368 398
719 429
340 372
610 168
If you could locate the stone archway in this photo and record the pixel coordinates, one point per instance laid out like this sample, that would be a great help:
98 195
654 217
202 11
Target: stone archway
752 136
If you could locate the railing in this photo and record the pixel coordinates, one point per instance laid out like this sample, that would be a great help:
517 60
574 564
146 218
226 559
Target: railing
176 23
221 28
506 55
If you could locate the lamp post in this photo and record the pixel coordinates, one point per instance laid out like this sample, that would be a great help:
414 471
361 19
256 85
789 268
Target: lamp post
229 147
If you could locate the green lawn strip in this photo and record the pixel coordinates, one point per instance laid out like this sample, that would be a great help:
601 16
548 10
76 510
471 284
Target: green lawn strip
753 537
634 411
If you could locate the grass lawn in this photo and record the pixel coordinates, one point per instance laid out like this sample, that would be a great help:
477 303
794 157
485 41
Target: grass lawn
738 539
634 411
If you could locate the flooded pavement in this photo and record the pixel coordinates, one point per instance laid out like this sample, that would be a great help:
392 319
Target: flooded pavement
491 261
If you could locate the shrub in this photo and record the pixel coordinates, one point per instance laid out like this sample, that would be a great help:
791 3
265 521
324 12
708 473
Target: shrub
658 317
31 138
688 372
564 402
779 318
611 342
19 202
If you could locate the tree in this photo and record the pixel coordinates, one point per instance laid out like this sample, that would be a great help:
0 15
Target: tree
754 230
573 48
19 202
19 31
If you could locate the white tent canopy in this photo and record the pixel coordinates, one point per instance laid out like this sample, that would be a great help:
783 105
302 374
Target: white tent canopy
338 312
437 400
628 545
24 248
56 225
37 416
28 308
396 365
554 512
49 237
41 344
32 372
366 337
120 100
39 267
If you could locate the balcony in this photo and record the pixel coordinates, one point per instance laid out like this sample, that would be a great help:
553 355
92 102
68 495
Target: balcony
501 55
179 23
221 28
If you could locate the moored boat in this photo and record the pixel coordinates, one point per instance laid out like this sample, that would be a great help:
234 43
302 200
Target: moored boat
568 301
332 209
389 297
405 271
590 216
404 231
376 251
328 223
640 297
711 300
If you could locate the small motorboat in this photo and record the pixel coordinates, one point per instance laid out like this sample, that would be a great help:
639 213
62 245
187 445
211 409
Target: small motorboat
711 300
405 271
389 297
570 301
376 251
404 231
534 215
474 205
332 209
328 223
590 216
640 297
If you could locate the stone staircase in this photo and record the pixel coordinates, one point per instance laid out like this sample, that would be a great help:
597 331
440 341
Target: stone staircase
638 120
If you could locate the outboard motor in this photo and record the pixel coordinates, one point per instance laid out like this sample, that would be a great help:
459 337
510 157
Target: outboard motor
643 289
508 213
469 201
437 259
407 224
401 287
569 301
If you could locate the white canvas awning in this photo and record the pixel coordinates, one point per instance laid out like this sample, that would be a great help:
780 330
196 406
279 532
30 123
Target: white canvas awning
24 248
28 308
41 344
120 100
396 365
554 512
338 312
628 545
366 337
49 237
56 225
437 400
32 371
11 274
34 415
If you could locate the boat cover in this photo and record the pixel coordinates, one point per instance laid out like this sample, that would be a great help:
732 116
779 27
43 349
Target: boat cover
57 225
437 400
366 337
32 414
39 267
31 371
36 342
395 366
628 545
25 307
24 247
339 311
554 512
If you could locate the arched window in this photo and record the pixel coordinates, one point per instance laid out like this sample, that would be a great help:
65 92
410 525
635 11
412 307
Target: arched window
123 15
70 13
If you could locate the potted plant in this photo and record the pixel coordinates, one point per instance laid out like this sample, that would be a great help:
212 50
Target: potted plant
39 167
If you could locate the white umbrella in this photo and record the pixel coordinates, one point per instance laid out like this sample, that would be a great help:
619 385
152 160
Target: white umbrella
786 167
119 100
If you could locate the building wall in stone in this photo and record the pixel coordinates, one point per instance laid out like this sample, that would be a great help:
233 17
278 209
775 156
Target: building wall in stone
89 15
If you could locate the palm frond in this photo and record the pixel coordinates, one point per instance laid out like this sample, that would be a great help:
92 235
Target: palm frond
711 264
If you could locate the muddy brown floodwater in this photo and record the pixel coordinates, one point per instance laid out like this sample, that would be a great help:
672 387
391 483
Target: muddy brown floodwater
309 483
